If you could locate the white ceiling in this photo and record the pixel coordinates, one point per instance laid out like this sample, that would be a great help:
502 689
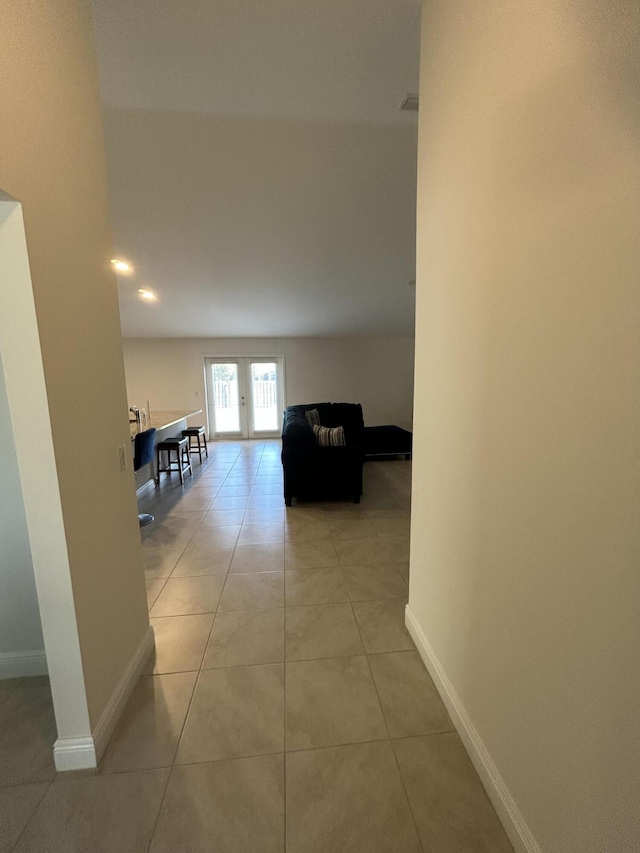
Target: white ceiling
262 177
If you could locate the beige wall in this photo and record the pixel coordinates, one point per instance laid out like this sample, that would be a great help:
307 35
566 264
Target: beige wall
525 539
377 372
52 161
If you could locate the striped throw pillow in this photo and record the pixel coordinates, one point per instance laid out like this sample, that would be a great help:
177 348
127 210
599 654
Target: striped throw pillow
312 416
329 436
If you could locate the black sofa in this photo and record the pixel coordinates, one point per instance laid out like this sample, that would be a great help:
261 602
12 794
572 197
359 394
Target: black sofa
315 473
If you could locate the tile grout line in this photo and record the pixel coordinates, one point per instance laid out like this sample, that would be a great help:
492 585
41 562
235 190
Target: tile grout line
33 813
390 740
285 606
162 799
184 722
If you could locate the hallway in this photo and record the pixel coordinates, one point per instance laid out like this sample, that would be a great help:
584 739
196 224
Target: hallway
286 706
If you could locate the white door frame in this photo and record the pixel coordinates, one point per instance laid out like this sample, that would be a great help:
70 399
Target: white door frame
244 363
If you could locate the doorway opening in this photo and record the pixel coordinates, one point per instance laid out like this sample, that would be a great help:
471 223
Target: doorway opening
245 396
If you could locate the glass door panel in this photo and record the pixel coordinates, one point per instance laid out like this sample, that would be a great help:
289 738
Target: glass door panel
227 398
263 383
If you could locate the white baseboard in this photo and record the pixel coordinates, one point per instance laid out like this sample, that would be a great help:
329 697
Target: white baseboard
74 753
145 487
510 815
84 753
111 714
23 664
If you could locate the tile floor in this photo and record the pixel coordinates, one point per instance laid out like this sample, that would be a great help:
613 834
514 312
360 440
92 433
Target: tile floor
285 707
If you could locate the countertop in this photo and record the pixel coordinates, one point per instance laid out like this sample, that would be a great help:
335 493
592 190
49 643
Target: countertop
162 420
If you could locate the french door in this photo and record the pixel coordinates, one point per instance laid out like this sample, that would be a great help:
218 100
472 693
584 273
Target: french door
245 396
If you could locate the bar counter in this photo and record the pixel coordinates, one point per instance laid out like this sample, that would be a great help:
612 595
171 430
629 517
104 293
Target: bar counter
164 420
167 425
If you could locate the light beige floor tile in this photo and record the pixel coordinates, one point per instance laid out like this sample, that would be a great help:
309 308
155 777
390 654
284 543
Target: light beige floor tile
193 502
361 552
27 735
241 638
387 513
305 512
239 481
7 686
266 500
318 554
217 472
167 539
154 545
264 514
232 806
229 503
450 806
147 734
321 631
314 586
344 507
275 477
403 568
394 527
223 517
258 558
203 561
236 712
153 590
34 681
380 580
235 491
376 502
215 537
398 547
348 798
382 626
178 520
208 486
352 528
261 534
16 807
180 643
253 591
267 488
160 563
330 702
410 702
184 596
101 814
305 530
270 478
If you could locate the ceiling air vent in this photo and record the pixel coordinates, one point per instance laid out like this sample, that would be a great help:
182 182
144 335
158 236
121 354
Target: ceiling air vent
410 104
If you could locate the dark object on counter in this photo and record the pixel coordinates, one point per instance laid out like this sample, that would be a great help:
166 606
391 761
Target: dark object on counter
143 447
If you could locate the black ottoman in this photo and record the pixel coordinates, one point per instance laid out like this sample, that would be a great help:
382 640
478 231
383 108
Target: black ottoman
387 441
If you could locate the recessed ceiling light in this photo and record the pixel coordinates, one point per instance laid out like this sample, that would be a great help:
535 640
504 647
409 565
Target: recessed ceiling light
146 294
121 266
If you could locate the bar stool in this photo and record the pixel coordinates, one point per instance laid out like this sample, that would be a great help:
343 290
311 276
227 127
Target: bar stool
196 432
179 446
